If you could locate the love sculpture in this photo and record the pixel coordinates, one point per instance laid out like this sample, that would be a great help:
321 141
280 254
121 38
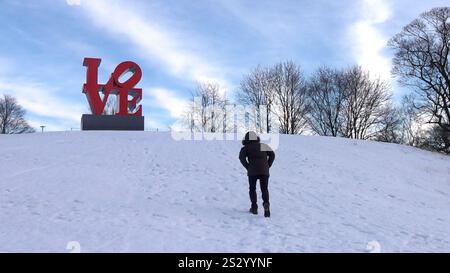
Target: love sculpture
128 114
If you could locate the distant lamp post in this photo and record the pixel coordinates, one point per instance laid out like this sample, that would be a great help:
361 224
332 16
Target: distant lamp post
42 128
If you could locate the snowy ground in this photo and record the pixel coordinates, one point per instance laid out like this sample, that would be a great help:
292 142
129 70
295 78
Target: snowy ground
143 191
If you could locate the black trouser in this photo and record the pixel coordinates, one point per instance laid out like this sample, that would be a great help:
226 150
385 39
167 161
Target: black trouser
263 183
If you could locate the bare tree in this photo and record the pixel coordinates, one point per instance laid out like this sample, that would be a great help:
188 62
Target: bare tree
365 103
206 112
257 91
411 123
349 103
326 97
437 139
422 61
390 126
289 87
12 117
111 106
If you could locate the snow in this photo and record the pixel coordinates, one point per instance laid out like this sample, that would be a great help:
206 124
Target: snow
146 192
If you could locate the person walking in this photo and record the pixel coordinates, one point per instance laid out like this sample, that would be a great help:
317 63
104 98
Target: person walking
257 158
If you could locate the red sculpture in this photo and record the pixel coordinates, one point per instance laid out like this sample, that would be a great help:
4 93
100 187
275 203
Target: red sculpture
123 90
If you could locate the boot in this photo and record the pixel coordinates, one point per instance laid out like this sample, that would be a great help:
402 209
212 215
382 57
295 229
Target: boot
266 210
254 209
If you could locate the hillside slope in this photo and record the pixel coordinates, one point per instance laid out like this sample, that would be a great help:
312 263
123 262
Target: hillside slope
143 191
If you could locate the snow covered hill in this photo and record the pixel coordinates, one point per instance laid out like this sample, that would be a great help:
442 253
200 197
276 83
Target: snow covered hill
144 191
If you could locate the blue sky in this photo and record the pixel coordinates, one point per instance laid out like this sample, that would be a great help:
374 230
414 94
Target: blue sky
179 43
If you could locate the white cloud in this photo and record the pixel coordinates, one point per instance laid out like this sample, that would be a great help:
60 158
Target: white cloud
369 41
154 43
80 48
276 22
153 124
38 99
7 65
73 2
169 101
41 100
49 126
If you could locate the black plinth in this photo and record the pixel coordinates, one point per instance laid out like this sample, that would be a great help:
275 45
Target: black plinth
112 122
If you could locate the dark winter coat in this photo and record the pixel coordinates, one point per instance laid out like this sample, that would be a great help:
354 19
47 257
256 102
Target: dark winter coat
256 157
